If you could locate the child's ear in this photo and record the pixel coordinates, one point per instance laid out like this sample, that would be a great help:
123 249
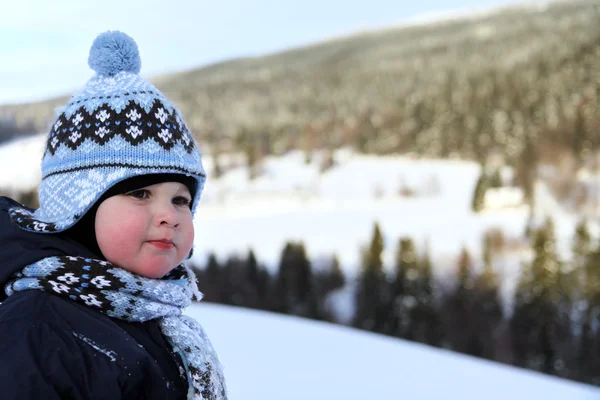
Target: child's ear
191 254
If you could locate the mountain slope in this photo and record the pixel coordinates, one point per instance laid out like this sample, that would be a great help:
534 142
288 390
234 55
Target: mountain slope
460 86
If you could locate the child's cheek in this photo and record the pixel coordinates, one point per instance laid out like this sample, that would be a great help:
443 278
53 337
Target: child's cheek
130 231
187 242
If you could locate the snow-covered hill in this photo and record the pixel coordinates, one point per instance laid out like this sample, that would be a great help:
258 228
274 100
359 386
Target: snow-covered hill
270 356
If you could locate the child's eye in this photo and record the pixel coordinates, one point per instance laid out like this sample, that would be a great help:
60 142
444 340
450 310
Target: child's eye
139 194
181 201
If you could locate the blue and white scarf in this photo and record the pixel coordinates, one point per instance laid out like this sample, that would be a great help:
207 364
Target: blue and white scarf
123 295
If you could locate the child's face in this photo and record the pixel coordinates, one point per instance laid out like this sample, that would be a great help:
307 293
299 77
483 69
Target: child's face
148 231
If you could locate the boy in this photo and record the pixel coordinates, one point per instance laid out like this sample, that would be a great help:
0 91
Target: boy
94 280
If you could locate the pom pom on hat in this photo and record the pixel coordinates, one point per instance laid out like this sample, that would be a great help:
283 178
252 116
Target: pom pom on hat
113 52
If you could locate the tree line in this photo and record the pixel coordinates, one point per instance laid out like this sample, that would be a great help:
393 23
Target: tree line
551 324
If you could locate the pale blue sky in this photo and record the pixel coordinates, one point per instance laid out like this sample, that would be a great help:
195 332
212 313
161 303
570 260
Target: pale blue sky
44 44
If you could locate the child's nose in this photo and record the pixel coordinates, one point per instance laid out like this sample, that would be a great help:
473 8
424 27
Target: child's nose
166 214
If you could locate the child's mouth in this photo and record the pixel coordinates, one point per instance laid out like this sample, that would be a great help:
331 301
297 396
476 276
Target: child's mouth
163 245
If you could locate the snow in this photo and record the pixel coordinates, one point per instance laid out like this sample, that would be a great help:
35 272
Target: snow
108 353
334 212
271 356
20 163
341 303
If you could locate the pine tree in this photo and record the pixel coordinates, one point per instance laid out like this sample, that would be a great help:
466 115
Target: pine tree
495 179
462 335
217 169
582 247
310 143
403 291
252 157
523 322
579 133
328 160
414 315
209 280
526 169
582 256
537 326
326 282
374 259
233 275
370 302
412 290
465 264
589 340
487 308
252 282
258 283
335 278
565 295
293 292
434 333
264 289
283 301
529 230
479 194
367 133
304 290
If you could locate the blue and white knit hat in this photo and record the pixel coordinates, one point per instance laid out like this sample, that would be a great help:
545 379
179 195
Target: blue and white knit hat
117 127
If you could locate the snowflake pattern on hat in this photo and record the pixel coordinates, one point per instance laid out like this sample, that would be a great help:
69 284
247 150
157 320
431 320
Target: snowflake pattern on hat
133 124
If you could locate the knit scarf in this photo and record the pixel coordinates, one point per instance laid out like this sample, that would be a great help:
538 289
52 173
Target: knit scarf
123 295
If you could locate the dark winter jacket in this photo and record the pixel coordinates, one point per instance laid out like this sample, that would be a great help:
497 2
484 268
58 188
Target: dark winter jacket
52 348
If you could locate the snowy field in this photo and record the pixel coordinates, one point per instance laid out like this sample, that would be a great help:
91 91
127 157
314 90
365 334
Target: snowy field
270 356
335 212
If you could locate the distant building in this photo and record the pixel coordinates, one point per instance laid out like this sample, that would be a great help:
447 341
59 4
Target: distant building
502 198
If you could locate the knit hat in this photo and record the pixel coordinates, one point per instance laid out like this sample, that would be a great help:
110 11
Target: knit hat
117 127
